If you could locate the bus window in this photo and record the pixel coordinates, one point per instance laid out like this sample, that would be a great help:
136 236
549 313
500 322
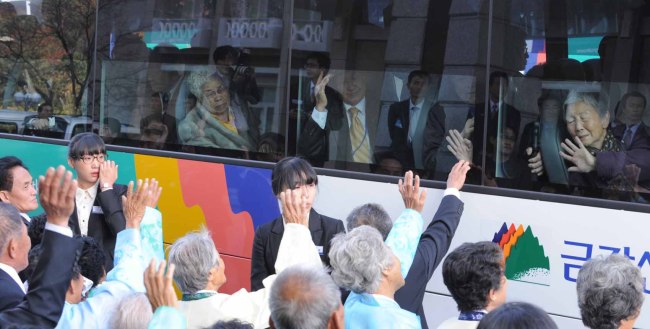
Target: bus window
8 127
194 77
379 92
573 108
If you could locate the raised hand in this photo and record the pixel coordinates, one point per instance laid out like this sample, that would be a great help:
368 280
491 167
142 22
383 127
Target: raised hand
535 163
319 92
459 146
156 191
135 203
468 129
409 188
57 195
578 155
456 178
159 285
107 173
294 206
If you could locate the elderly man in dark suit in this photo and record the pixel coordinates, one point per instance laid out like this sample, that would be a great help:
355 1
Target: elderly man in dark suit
407 119
43 303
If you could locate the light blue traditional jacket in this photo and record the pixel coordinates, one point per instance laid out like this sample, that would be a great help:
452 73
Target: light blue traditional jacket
368 311
133 251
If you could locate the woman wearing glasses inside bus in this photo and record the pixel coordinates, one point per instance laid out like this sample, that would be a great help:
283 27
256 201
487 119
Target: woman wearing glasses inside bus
599 164
98 202
291 173
214 122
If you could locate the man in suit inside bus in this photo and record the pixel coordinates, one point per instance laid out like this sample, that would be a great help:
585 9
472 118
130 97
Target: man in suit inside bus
305 106
629 127
98 207
498 110
42 305
406 121
353 141
17 186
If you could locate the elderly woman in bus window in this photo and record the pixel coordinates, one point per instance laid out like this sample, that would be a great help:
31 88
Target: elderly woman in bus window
214 122
596 156
610 292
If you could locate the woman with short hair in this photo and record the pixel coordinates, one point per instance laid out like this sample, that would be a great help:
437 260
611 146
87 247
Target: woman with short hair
610 292
364 264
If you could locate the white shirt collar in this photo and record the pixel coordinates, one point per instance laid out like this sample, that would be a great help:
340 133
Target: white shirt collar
92 191
13 274
361 106
418 105
26 217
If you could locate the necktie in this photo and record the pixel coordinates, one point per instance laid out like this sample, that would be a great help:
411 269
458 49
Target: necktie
360 152
627 138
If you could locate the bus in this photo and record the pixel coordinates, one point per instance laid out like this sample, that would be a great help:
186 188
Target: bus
207 95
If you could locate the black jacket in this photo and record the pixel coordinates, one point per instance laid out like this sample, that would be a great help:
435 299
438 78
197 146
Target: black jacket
43 304
432 248
267 242
103 227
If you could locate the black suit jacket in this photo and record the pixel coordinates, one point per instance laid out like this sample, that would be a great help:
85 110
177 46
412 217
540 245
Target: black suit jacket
433 246
333 143
398 127
267 242
43 304
105 226
313 142
10 293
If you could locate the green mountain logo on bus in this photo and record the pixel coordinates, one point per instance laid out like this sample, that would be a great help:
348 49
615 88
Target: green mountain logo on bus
524 255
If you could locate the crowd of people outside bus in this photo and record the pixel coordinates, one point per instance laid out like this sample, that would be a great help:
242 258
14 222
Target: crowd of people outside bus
95 259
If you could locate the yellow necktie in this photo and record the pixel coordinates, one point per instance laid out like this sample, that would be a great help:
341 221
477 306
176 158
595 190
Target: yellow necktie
360 150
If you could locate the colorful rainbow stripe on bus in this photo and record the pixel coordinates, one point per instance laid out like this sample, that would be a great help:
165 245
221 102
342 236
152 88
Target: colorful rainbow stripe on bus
230 201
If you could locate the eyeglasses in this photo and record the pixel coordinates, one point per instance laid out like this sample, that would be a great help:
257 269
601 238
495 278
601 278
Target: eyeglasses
88 159
212 92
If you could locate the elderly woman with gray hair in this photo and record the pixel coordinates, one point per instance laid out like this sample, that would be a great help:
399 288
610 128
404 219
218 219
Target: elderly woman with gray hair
610 292
200 271
214 121
364 264
598 157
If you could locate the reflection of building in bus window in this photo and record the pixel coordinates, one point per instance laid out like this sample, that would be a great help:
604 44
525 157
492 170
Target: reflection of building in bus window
214 122
597 157
406 121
